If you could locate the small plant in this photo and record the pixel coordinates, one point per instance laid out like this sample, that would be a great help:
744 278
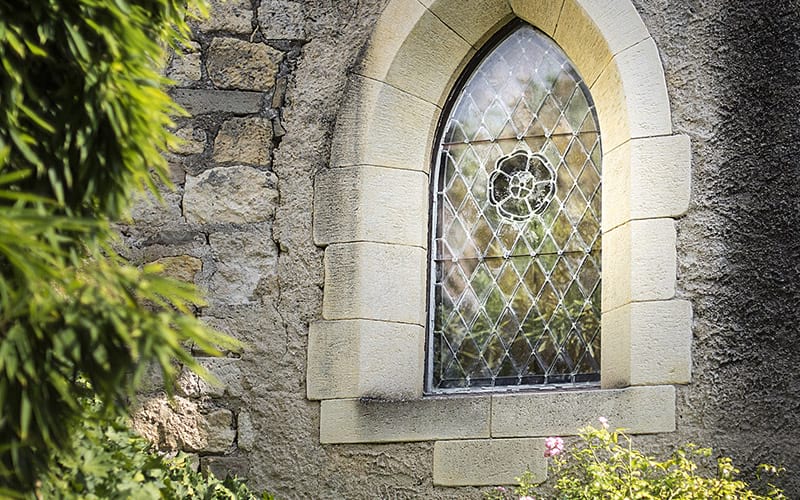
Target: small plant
108 460
604 464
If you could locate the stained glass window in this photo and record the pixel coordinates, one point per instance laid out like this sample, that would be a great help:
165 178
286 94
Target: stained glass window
515 250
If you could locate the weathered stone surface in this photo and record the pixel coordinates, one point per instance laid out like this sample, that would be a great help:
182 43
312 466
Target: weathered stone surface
639 410
487 462
374 421
180 425
243 260
232 16
226 466
226 370
184 68
282 19
147 210
182 267
192 140
375 359
202 101
245 433
230 194
235 64
244 140
218 429
169 425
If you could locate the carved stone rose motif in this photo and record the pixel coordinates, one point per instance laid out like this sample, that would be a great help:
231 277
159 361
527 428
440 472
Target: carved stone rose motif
521 185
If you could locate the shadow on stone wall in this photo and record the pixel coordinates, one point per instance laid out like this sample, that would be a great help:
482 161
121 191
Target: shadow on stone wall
747 335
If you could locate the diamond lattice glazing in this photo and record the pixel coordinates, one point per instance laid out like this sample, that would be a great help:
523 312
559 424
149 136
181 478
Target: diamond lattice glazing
516 262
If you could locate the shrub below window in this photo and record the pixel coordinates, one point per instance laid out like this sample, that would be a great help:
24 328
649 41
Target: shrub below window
110 461
604 464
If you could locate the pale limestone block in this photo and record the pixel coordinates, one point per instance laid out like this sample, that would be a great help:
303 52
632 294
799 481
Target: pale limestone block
583 42
243 261
282 19
191 140
375 281
358 358
184 68
178 424
543 14
646 179
612 111
381 125
414 51
226 371
236 64
487 462
484 19
237 194
244 140
639 262
639 410
234 16
617 21
647 343
181 267
379 421
371 204
633 81
245 432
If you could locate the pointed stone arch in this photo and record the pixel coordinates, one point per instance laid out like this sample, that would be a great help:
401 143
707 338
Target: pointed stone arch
366 356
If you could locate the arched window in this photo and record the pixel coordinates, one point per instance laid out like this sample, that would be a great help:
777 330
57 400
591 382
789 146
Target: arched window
515 245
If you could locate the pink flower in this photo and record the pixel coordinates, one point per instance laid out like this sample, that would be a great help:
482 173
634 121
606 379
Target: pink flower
603 422
553 446
526 498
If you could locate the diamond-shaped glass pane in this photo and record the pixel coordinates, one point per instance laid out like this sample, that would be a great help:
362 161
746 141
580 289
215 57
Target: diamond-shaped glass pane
516 245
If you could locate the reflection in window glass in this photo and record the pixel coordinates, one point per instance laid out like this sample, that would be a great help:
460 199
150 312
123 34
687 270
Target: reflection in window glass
515 251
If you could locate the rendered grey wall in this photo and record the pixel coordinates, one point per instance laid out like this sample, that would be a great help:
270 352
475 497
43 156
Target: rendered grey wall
264 85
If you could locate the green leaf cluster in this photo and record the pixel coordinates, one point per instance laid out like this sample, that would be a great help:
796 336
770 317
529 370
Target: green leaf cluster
83 121
111 462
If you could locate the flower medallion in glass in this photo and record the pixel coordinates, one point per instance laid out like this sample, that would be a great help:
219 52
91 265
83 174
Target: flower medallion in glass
516 245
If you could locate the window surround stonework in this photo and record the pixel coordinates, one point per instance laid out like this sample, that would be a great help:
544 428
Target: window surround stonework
371 208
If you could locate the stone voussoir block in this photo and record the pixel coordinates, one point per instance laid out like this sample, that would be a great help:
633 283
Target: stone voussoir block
475 29
487 462
358 358
237 194
647 178
367 203
236 64
428 419
639 410
639 262
361 278
542 14
652 344
244 140
633 81
380 125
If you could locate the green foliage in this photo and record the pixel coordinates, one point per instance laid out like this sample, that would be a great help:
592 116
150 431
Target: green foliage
111 462
604 464
83 120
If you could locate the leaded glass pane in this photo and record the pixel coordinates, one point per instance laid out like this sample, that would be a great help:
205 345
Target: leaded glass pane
516 246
